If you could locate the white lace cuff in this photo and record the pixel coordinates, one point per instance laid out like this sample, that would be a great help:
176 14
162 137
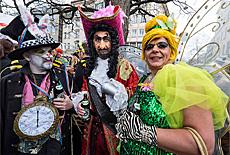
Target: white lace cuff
119 100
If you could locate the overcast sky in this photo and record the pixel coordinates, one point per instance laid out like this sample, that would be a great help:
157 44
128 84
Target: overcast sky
181 17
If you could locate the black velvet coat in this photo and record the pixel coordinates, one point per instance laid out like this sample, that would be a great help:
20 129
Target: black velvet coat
11 97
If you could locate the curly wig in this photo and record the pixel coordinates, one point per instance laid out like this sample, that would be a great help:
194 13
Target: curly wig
113 57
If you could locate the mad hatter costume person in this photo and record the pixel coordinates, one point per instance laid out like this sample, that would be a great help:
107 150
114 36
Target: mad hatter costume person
30 105
172 98
104 34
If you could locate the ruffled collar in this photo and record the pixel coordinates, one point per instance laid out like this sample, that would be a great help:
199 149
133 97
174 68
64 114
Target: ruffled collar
100 72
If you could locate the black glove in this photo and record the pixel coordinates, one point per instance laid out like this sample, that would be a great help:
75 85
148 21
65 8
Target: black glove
130 126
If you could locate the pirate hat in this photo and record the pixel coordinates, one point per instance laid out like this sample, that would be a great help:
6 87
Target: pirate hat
28 34
111 15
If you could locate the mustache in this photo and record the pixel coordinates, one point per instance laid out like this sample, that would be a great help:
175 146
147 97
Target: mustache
103 49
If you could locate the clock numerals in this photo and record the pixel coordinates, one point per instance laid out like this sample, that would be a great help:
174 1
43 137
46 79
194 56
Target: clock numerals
50 117
29 132
45 127
31 110
24 128
22 123
37 108
48 123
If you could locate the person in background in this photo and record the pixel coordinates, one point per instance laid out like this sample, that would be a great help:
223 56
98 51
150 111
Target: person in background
61 58
7 65
173 100
78 81
75 60
79 72
69 58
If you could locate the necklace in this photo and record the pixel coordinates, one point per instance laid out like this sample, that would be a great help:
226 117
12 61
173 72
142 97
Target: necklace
150 78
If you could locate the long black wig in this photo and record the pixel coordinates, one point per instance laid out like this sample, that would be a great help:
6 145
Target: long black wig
113 57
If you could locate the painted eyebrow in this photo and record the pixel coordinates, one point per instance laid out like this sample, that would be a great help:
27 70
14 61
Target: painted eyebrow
104 37
96 36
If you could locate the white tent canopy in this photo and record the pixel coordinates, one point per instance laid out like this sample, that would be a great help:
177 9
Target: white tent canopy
6 19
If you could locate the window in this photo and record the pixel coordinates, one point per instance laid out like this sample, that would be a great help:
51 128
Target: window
76 45
143 5
134 19
143 20
54 37
224 37
54 17
68 46
65 25
134 33
77 34
65 35
64 46
54 28
99 6
128 34
68 35
139 45
228 48
48 28
77 22
141 32
223 49
76 13
133 44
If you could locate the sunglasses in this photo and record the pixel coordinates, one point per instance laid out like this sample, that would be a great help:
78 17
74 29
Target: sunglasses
41 52
160 45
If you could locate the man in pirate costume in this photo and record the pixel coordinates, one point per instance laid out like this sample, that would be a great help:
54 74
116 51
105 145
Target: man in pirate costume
37 82
104 34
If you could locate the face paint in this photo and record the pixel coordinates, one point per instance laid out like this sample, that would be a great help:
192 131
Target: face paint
102 43
41 62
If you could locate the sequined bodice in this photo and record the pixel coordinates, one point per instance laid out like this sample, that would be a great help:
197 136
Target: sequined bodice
151 113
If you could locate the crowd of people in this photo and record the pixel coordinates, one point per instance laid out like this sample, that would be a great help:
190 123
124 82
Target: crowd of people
43 93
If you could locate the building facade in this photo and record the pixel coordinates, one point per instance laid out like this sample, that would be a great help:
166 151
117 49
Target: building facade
73 33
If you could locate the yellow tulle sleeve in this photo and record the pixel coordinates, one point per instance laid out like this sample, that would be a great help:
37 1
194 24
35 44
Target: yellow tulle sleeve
180 86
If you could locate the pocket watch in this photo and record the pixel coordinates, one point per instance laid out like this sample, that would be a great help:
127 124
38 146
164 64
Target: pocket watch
37 120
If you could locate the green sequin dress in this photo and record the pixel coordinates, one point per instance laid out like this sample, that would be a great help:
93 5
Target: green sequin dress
151 113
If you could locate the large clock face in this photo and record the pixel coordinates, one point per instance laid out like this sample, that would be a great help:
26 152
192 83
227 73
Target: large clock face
36 120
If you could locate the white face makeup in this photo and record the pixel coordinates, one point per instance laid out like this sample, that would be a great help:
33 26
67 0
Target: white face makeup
40 59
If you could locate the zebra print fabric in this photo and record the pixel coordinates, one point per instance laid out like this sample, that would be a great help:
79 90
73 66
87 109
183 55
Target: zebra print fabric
130 126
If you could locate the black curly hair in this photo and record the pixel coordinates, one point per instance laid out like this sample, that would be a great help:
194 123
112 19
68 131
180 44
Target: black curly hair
113 57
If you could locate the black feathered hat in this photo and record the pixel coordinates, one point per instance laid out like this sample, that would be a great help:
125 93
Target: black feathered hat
28 34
